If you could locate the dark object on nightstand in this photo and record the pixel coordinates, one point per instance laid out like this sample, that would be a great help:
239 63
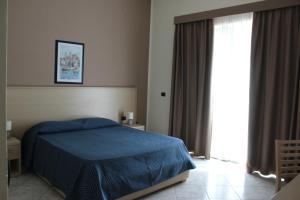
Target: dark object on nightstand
8 171
123 118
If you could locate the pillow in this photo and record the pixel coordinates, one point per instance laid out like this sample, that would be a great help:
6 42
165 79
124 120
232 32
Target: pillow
73 125
93 123
59 126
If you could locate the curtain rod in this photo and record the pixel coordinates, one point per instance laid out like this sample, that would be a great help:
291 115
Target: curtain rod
250 7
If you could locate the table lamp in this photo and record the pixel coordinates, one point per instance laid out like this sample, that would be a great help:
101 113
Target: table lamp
8 127
130 117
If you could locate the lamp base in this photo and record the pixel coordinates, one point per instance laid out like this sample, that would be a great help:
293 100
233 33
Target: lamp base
130 122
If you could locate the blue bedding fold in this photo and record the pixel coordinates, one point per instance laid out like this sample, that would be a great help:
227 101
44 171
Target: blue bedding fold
105 162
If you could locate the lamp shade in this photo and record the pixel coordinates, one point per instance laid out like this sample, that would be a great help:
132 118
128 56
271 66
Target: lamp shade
129 115
8 125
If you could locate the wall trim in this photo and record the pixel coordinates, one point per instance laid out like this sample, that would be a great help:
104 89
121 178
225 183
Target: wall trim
250 7
68 86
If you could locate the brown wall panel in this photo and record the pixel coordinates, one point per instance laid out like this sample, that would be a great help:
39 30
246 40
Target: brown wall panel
115 33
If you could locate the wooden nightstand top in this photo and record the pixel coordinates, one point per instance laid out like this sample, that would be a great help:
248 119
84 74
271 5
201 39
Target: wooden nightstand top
136 126
13 141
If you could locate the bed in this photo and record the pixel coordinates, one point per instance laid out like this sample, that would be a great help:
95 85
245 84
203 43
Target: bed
97 158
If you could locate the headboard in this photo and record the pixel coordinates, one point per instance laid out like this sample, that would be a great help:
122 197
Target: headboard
27 106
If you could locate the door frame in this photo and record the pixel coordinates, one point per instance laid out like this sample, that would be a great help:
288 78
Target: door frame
3 65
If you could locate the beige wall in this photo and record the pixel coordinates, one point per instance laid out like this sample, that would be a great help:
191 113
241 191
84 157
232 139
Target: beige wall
115 33
3 163
161 52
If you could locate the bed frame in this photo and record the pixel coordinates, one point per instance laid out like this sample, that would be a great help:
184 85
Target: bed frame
177 179
172 181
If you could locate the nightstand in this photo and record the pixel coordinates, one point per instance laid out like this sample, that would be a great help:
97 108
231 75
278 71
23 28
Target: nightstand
136 126
14 155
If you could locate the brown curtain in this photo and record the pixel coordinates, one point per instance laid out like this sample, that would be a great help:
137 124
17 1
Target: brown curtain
274 86
191 79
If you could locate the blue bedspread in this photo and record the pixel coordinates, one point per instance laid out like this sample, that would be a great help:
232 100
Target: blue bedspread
102 162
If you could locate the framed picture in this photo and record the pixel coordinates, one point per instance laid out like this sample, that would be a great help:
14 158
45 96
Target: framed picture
69 62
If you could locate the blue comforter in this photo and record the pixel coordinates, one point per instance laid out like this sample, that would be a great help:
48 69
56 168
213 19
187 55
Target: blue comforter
94 159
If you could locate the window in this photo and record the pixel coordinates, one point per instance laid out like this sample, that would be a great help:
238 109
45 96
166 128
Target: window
230 87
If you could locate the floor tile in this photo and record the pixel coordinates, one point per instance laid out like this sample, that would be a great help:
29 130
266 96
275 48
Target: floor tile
222 192
20 180
51 195
186 191
34 189
254 193
166 194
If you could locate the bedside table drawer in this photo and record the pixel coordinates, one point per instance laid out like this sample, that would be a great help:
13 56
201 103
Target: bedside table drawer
13 152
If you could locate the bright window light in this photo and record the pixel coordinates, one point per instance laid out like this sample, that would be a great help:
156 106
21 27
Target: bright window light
230 87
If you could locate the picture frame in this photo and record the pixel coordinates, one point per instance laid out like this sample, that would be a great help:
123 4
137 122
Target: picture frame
69 62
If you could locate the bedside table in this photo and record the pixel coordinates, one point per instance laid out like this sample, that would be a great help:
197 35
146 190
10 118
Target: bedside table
136 126
14 155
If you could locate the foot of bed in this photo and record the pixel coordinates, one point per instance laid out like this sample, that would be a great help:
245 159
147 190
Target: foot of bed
172 181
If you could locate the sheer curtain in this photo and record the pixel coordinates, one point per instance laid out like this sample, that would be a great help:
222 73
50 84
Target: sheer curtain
230 87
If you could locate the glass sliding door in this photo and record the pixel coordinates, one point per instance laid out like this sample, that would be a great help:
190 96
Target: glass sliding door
230 87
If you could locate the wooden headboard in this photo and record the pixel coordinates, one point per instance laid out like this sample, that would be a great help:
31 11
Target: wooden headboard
27 106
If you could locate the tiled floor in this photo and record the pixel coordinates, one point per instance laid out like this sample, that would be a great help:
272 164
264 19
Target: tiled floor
211 180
